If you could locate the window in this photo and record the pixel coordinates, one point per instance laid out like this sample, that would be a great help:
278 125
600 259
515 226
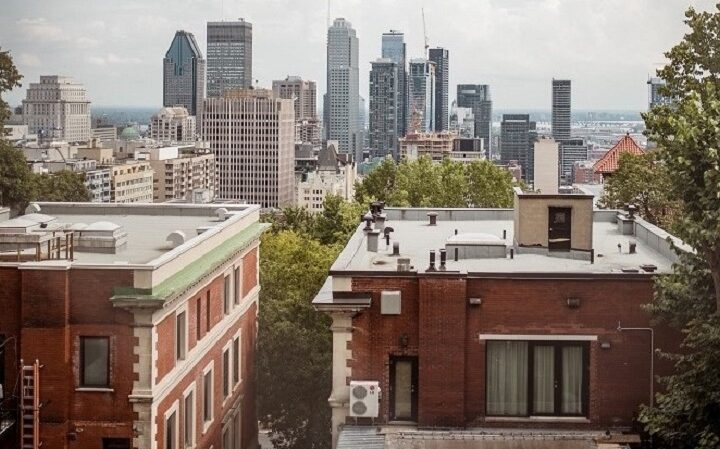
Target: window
198 320
237 285
226 373
207 396
171 431
207 312
95 362
236 361
180 336
189 419
536 378
226 296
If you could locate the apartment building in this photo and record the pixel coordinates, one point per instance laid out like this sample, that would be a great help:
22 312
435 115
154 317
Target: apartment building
180 171
133 326
132 182
521 327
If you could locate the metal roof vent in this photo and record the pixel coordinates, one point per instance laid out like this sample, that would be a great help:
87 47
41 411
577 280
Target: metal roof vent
101 237
33 208
221 213
176 238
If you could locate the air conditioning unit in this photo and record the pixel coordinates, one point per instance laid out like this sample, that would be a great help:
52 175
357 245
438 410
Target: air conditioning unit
364 399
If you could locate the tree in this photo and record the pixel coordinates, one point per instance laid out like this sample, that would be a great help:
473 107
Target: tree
416 184
62 186
9 79
17 187
489 185
377 184
453 191
338 220
642 181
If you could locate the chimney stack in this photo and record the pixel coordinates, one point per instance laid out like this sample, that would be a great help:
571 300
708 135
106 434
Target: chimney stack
443 259
432 268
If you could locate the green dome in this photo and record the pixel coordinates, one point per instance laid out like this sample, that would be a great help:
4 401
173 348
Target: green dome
130 133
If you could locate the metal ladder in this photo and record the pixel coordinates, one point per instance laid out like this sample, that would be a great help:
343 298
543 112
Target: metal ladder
30 406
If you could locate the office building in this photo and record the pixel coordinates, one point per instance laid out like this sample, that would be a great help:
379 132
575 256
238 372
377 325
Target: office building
384 113
441 58
571 151
394 48
511 336
517 139
257 165
561 110
477 98
57 108
302 92
172 125
342 101
184 73
421 96
135 326
546 165
229 56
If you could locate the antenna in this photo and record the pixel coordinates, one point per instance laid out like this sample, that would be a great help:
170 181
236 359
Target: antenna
427 45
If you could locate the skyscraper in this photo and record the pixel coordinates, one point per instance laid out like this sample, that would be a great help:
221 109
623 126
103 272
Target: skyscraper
184 73
571 151
342 101
441 58
421 96
394 48
655 97
251 166
561 109
477 98
229 56
517 140
57 108
384 112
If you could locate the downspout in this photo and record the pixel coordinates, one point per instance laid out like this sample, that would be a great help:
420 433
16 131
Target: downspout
652 355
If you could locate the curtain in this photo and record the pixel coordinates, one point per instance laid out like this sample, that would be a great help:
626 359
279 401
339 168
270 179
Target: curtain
544 382
507 379
572 379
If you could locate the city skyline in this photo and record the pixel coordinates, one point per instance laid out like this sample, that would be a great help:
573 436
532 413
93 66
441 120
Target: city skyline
608 55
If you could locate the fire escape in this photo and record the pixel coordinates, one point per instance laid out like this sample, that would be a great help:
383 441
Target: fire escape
30 406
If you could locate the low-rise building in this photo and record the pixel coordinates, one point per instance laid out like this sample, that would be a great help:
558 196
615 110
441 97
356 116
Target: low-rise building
132 182
496 325
583 173
335 174
133 326
103 155
610 162
435 145
104 132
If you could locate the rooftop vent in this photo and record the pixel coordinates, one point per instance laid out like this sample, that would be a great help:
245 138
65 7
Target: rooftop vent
33 208
101 237
176 238
476 245
221 213
433 218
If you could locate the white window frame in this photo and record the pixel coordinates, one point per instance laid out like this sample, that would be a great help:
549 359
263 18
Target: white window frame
227 292
238 337
182 310
237 280
226 349
209 368
175 408
193 440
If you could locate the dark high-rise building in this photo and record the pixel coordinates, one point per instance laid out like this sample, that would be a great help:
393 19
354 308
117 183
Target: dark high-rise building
561 109
517 141
394 48
229 56
477 98
384 94
441 58
571 151
184 73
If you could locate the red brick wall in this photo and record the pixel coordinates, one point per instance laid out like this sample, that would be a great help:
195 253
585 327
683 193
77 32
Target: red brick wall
249 271
444 330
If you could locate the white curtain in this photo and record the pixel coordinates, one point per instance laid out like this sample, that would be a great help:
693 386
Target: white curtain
507 379
572 379
544 382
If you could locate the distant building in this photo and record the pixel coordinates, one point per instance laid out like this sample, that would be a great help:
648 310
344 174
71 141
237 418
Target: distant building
561 109
610 162
332 177
259 168
571 151
517 139
342 102
172 125
441 58
547 166
132 182
469 144
57 108
104 132
394 48
14 133
384 113
421 96
462 122
180 171
655 97
434 145
184 73
477 98
302 92
99 184
229 56
308 131
583 173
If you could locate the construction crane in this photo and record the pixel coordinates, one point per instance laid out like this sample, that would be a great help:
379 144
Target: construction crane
427 45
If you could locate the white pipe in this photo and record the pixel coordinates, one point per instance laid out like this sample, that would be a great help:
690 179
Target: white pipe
652 356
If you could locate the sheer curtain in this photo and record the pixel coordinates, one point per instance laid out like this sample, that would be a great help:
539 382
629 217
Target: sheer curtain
507 379
544 382
572 379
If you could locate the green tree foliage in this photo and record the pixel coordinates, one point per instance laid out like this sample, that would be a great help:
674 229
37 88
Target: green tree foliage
294 367
687 414
9 79
644 182
62 186
423 183
17 186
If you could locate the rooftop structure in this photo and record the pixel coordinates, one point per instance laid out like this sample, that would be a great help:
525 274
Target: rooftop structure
434 145
609 163
229 56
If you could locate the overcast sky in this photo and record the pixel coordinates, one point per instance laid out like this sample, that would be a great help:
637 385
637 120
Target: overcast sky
115 47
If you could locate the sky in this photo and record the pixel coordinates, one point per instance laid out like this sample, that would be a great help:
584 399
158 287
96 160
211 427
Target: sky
115 47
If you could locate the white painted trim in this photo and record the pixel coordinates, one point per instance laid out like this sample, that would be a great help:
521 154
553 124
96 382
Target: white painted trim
238 336
183 309
539 419
535 337
191 389
209 368
227 348
175 408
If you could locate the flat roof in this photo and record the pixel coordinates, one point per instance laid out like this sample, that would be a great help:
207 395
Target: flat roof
147 226
416 238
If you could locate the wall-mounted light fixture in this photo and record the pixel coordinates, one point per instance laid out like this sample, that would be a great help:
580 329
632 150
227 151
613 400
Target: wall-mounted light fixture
573 303
605 345
475 301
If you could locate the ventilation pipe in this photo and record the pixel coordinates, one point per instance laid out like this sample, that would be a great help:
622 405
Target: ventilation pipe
432 268
443 259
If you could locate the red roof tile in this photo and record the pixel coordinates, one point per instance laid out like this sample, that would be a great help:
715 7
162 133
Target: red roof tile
609 162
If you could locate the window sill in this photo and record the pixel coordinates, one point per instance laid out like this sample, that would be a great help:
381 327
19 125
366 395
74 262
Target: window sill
539 419
94 390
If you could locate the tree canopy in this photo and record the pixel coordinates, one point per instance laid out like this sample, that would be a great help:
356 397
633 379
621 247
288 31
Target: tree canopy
424 183
9 79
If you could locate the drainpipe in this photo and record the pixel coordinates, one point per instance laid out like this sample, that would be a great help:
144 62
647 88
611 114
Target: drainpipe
652 355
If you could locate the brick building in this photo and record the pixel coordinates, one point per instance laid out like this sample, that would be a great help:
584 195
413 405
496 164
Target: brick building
528 318
133 326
